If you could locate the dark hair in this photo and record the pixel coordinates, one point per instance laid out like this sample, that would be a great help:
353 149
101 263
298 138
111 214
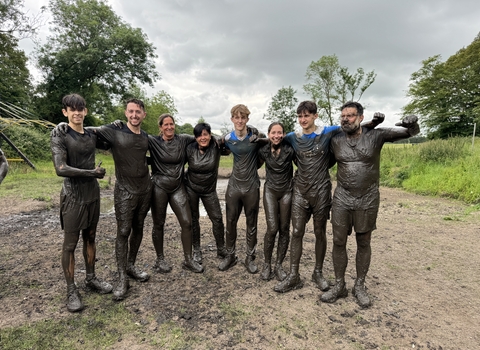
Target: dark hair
198 129
352 104
163 117
273 124
136 101
309 106
74 101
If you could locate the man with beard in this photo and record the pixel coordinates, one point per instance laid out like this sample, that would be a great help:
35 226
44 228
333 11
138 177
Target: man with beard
356 198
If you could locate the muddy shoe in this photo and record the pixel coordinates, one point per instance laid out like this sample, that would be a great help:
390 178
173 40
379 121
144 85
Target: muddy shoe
192 265
162 266
74 301
250 265
360 292
197 256
137 274
266 273
99 286
280 273
120 291
292 282
221 252
338 291
320 281
229 261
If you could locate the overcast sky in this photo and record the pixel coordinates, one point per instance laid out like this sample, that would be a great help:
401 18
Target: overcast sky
214 54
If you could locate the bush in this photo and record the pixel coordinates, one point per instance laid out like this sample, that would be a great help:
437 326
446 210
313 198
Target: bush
33 142
442 151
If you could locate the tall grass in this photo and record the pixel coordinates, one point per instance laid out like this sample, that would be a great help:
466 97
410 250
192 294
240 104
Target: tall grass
446 168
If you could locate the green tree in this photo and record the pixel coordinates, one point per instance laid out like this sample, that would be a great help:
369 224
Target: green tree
15 20
14 75
92 52
186 128
330 85
446 95
282 108
157 105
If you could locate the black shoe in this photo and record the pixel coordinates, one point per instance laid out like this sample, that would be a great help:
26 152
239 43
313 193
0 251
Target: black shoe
250 265
74 301
360 292
338 291
320 281
197 256
280 273
221 252
98 286
229 261
162 266
266 273
292 282
120 291
192 265
137 274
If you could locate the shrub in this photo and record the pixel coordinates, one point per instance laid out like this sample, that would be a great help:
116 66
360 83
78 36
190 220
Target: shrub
33 142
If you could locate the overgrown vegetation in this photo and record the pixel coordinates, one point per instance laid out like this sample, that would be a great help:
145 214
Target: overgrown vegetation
445 168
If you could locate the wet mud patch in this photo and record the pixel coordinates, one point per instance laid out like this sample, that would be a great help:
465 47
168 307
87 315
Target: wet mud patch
423 280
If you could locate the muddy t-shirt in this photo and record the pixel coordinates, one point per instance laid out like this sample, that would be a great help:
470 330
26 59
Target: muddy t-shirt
313 158
129 152
168 160
245 162
79 152
358 160
279 168
202 172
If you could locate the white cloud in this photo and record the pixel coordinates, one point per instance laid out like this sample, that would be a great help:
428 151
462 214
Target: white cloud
214 54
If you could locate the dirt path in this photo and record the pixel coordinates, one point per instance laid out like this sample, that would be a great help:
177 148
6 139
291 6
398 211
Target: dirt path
424 280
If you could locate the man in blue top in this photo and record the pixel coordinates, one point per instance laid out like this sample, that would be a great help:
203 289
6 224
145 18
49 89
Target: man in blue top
311 192
243 190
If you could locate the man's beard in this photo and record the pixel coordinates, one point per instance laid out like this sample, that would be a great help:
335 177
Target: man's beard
351 129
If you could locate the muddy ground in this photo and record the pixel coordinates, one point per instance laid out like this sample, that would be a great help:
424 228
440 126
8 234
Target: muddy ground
424 281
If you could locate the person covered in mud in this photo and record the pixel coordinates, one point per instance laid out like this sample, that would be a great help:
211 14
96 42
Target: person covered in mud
203 158
277 199
132 193
3 166
356 199
168 154
243 189
311 193
74 159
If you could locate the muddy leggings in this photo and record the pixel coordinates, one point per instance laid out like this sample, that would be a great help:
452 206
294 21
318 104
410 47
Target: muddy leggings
179 203
277 205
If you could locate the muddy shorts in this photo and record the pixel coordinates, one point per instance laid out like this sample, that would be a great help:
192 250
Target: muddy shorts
358 213
75 217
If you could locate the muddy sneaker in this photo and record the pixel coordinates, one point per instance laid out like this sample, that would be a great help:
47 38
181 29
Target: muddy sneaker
266 273
137 274
197 256
161 266
250 265
120 291
74 302
192 265
360 292
221 252
99 286
292 282
320 281
280 273
227 262
338 291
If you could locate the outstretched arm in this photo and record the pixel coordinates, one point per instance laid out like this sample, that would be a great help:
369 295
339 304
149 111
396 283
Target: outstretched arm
411 123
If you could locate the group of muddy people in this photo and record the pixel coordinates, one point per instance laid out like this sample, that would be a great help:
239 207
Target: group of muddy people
290 196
